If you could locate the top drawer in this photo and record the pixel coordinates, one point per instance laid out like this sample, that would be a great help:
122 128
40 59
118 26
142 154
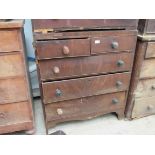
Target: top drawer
113 44
63 48
9 41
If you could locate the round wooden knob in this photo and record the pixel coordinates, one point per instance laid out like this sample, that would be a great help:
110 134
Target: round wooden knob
115 101
114 45
120 63
153 87
2 115
65 50
56 70
118 83
59 111
149 107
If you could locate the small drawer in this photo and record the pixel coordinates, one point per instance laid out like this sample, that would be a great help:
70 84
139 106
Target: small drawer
63 48
92 65
83 87
150 51
9 41
13 90
145 88
14 113
143 107
148 69
112 44
84 107
11 65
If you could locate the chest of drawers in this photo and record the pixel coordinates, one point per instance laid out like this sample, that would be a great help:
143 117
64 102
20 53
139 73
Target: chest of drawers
84 67
142 91
15 98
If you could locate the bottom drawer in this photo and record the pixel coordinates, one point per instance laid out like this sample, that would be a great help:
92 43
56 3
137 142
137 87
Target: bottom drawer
143 107
82 108
14 117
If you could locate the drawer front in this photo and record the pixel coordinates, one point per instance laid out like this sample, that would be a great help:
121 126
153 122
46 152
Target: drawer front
145 88
76 88
148 69
63 48
150 51
13 90
14 113
84 107
9 41
150 26
75 67
11 65
143 107
113 44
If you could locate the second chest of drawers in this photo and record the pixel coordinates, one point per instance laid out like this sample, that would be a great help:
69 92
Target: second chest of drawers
84 74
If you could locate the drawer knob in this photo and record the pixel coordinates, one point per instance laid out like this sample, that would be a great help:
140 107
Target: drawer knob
114 45
58 92
115 101
59 111
118 83
153 87
65 50
149 107
2 115
120 63
56 70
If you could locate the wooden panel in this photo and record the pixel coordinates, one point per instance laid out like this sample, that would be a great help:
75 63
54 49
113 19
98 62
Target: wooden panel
113 44
13 90
63 48
76 88
16 113
143 107
145 88
70 67
150 26
150 51
84 107
85 23
11 65
9 41
148 69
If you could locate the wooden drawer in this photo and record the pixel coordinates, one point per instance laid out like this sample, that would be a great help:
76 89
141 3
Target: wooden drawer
11 65
13 90
75 67
145 88
143 107
9 41
150 51
113 44
84 107
62 48
148 69
14 114
76 88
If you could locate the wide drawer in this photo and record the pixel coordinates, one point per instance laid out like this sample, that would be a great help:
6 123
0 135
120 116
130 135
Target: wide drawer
82 87
13 90
113 44
62 48
143 107
148 69
84 107
11 65
9 41
145 88
75 67
14 113
150 51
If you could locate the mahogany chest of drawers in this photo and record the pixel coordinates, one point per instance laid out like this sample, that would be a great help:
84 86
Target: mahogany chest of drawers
15 99
84 67
141 100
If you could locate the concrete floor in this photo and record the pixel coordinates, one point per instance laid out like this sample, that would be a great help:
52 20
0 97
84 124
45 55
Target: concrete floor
107 124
